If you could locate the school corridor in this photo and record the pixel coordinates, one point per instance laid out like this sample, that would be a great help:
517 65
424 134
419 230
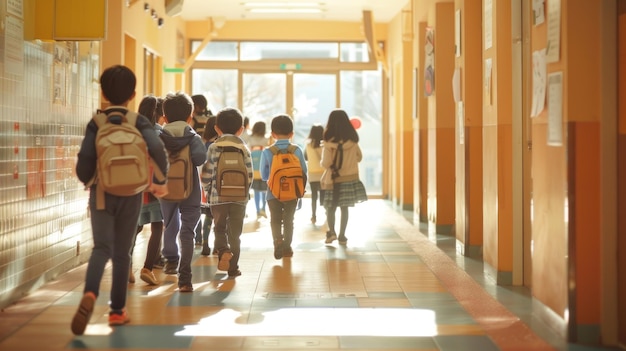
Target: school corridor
392 287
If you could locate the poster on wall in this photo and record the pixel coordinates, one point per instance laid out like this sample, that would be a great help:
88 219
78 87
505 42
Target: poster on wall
35 168
59 74
429 63
553 48
555 109
539 82
13 45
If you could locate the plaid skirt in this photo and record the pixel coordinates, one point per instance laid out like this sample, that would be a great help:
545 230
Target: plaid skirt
350 193
259 185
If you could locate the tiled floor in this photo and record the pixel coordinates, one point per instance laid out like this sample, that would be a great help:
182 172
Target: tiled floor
390 288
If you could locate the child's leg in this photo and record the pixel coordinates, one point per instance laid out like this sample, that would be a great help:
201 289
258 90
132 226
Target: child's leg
236 214
289 210
276 219
263 200
220 225
344 222
152 252
257 200
315 188
206 229
189 217
171 219
126 215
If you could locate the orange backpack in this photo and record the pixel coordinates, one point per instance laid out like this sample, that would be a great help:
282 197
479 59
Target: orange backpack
287 180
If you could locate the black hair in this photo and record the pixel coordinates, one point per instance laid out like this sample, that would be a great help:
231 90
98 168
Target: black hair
159 108
339 128
209 129
177 107
148 107
229 120
282 125
118 84
200 105
259 128
316 135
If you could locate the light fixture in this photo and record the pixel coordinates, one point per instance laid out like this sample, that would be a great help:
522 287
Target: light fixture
285 10
146 6
284 7
282 4
160 22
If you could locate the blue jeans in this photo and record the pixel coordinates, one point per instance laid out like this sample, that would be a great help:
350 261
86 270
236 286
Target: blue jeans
113 235
259 200
180 217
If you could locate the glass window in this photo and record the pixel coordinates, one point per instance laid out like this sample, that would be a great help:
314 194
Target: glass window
354 52
216 51
255 51
263 96
219 86
314 96
361 97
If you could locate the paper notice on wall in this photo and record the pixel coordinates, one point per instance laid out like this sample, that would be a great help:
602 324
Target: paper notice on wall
14 46
555 109
488 21
539 82
539 15
553 49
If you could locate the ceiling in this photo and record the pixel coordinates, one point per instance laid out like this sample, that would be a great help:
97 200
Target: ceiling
335 10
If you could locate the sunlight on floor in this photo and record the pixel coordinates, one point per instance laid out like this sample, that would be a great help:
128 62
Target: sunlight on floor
320 322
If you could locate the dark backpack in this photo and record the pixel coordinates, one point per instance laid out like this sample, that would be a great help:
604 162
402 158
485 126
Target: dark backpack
123 165
180 174
287 179
231 177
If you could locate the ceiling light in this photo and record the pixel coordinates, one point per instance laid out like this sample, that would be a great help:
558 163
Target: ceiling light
285 10
283 4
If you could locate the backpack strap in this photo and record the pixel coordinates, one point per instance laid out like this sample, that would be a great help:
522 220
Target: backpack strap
289 149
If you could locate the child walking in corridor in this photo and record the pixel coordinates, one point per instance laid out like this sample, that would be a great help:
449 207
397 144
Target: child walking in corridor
113 227
340 158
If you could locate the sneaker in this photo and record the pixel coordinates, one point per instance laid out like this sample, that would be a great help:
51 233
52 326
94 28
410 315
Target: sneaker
148 277
263 214
330 237
278 249
313 219
224 262
342 240
159 263
83 314
171 267
234 273
116 319
131 276
185 288
206 250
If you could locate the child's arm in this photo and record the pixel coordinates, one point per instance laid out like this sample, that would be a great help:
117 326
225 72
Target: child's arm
207 169
198 151
247 158
265 164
